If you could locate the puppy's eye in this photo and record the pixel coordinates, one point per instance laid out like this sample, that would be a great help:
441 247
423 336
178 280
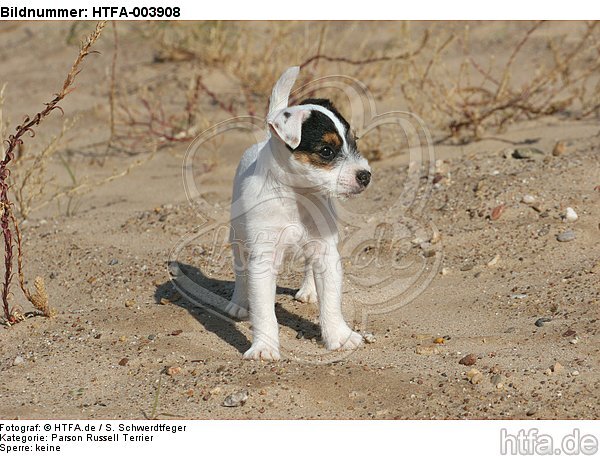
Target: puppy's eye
327 153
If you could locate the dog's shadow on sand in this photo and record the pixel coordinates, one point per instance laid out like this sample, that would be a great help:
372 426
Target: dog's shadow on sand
214 320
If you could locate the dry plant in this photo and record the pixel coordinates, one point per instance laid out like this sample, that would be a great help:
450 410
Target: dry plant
475 98
113 86
29 180
250 61
30 183
8 221
3 122
439 79
79 187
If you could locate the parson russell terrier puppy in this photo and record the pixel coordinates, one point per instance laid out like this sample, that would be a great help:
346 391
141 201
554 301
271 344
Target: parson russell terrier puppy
282 198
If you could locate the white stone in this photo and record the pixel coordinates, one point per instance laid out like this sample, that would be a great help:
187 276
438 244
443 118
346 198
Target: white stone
528 199
570 215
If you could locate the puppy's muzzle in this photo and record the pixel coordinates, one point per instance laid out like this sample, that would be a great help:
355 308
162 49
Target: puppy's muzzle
363 177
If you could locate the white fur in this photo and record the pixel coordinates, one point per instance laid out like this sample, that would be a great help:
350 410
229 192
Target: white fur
280 203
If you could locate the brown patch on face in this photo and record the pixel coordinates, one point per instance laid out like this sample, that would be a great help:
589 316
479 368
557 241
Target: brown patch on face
332 138
312 159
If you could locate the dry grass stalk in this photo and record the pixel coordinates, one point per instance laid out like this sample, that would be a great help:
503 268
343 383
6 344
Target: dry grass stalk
384 58
82 187
13 142
28 177
113 85
39 298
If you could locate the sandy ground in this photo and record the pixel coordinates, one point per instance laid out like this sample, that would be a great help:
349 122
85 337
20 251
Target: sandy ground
120 322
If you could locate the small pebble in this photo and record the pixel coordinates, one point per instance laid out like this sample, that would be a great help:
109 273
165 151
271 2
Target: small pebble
123 362
528 199
152 337
427 350
527 153
299 335
496 380
518 296
543 231
497 212
570 215
559 148
18 360
236 399
172 370
428 250
474 376
495 369
113 261
574 341
541 321
557 368
439 340
468 360
575 373
566 236
494 261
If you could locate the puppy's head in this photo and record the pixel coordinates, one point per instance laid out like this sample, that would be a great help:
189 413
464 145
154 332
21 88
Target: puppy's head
322 147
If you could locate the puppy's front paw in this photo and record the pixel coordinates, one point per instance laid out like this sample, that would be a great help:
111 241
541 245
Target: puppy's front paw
307 295
262 350
342 338
237 311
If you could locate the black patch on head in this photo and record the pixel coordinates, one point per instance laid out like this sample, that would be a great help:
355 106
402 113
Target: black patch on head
327 104
318 134
287 115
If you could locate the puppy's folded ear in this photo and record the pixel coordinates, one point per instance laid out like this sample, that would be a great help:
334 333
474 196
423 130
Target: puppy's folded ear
287 124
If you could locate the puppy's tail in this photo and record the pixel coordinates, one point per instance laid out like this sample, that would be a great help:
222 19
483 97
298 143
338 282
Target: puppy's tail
282 89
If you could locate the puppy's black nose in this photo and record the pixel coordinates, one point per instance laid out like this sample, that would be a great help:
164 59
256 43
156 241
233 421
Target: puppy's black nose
363 177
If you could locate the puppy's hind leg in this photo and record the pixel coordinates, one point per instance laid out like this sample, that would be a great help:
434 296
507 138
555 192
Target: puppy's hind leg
238 306
308 291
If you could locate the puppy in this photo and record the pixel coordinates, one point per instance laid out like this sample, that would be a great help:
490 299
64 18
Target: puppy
282 198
